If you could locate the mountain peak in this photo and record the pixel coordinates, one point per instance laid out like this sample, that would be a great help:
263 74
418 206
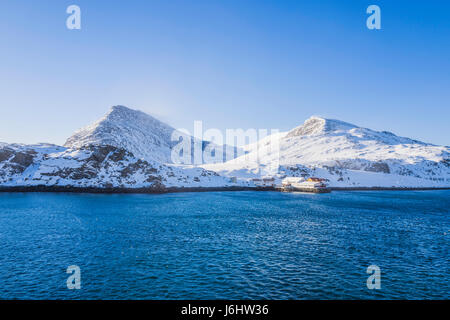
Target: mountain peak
318 125
120 107
136 131
120 112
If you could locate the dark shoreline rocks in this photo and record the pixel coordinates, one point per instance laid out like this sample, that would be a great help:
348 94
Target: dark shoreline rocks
150 190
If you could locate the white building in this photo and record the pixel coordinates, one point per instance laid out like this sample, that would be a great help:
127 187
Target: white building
264 182
292 181
302 183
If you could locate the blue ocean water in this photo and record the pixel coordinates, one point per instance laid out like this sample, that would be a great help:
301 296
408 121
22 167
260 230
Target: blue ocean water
225 245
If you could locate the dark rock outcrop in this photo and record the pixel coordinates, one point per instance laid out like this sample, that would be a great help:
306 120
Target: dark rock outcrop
378 167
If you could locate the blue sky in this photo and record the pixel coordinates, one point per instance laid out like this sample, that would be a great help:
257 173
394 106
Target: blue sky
231 64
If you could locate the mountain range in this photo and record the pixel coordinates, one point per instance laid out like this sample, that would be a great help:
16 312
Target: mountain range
128 149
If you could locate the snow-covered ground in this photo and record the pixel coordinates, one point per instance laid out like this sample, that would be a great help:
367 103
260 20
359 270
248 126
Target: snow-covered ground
130 149
347 155
95 166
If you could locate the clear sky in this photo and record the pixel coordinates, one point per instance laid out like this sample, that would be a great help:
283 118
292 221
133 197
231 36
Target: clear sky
230 63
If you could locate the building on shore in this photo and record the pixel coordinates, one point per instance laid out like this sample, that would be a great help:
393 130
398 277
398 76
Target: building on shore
292 181
315 179
312 184
264 182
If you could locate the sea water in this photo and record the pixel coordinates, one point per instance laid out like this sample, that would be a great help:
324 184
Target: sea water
225 245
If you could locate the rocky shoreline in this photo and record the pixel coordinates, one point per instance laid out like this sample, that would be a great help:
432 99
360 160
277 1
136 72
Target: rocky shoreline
70 189
150 190
128 151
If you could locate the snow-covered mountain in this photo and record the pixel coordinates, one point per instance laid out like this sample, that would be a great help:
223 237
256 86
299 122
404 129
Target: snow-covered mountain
95 166
124 149
135 131
347 155
128 149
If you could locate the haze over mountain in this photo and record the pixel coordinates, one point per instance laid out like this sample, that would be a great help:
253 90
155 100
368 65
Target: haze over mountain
130 149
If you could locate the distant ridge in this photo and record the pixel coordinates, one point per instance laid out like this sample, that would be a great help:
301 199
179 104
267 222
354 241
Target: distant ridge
318 125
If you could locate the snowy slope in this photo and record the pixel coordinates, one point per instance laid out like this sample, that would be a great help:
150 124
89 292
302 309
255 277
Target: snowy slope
130 149
348 155
95 166
135 131
124 149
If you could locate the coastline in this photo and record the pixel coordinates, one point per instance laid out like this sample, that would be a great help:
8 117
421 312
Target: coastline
71 189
